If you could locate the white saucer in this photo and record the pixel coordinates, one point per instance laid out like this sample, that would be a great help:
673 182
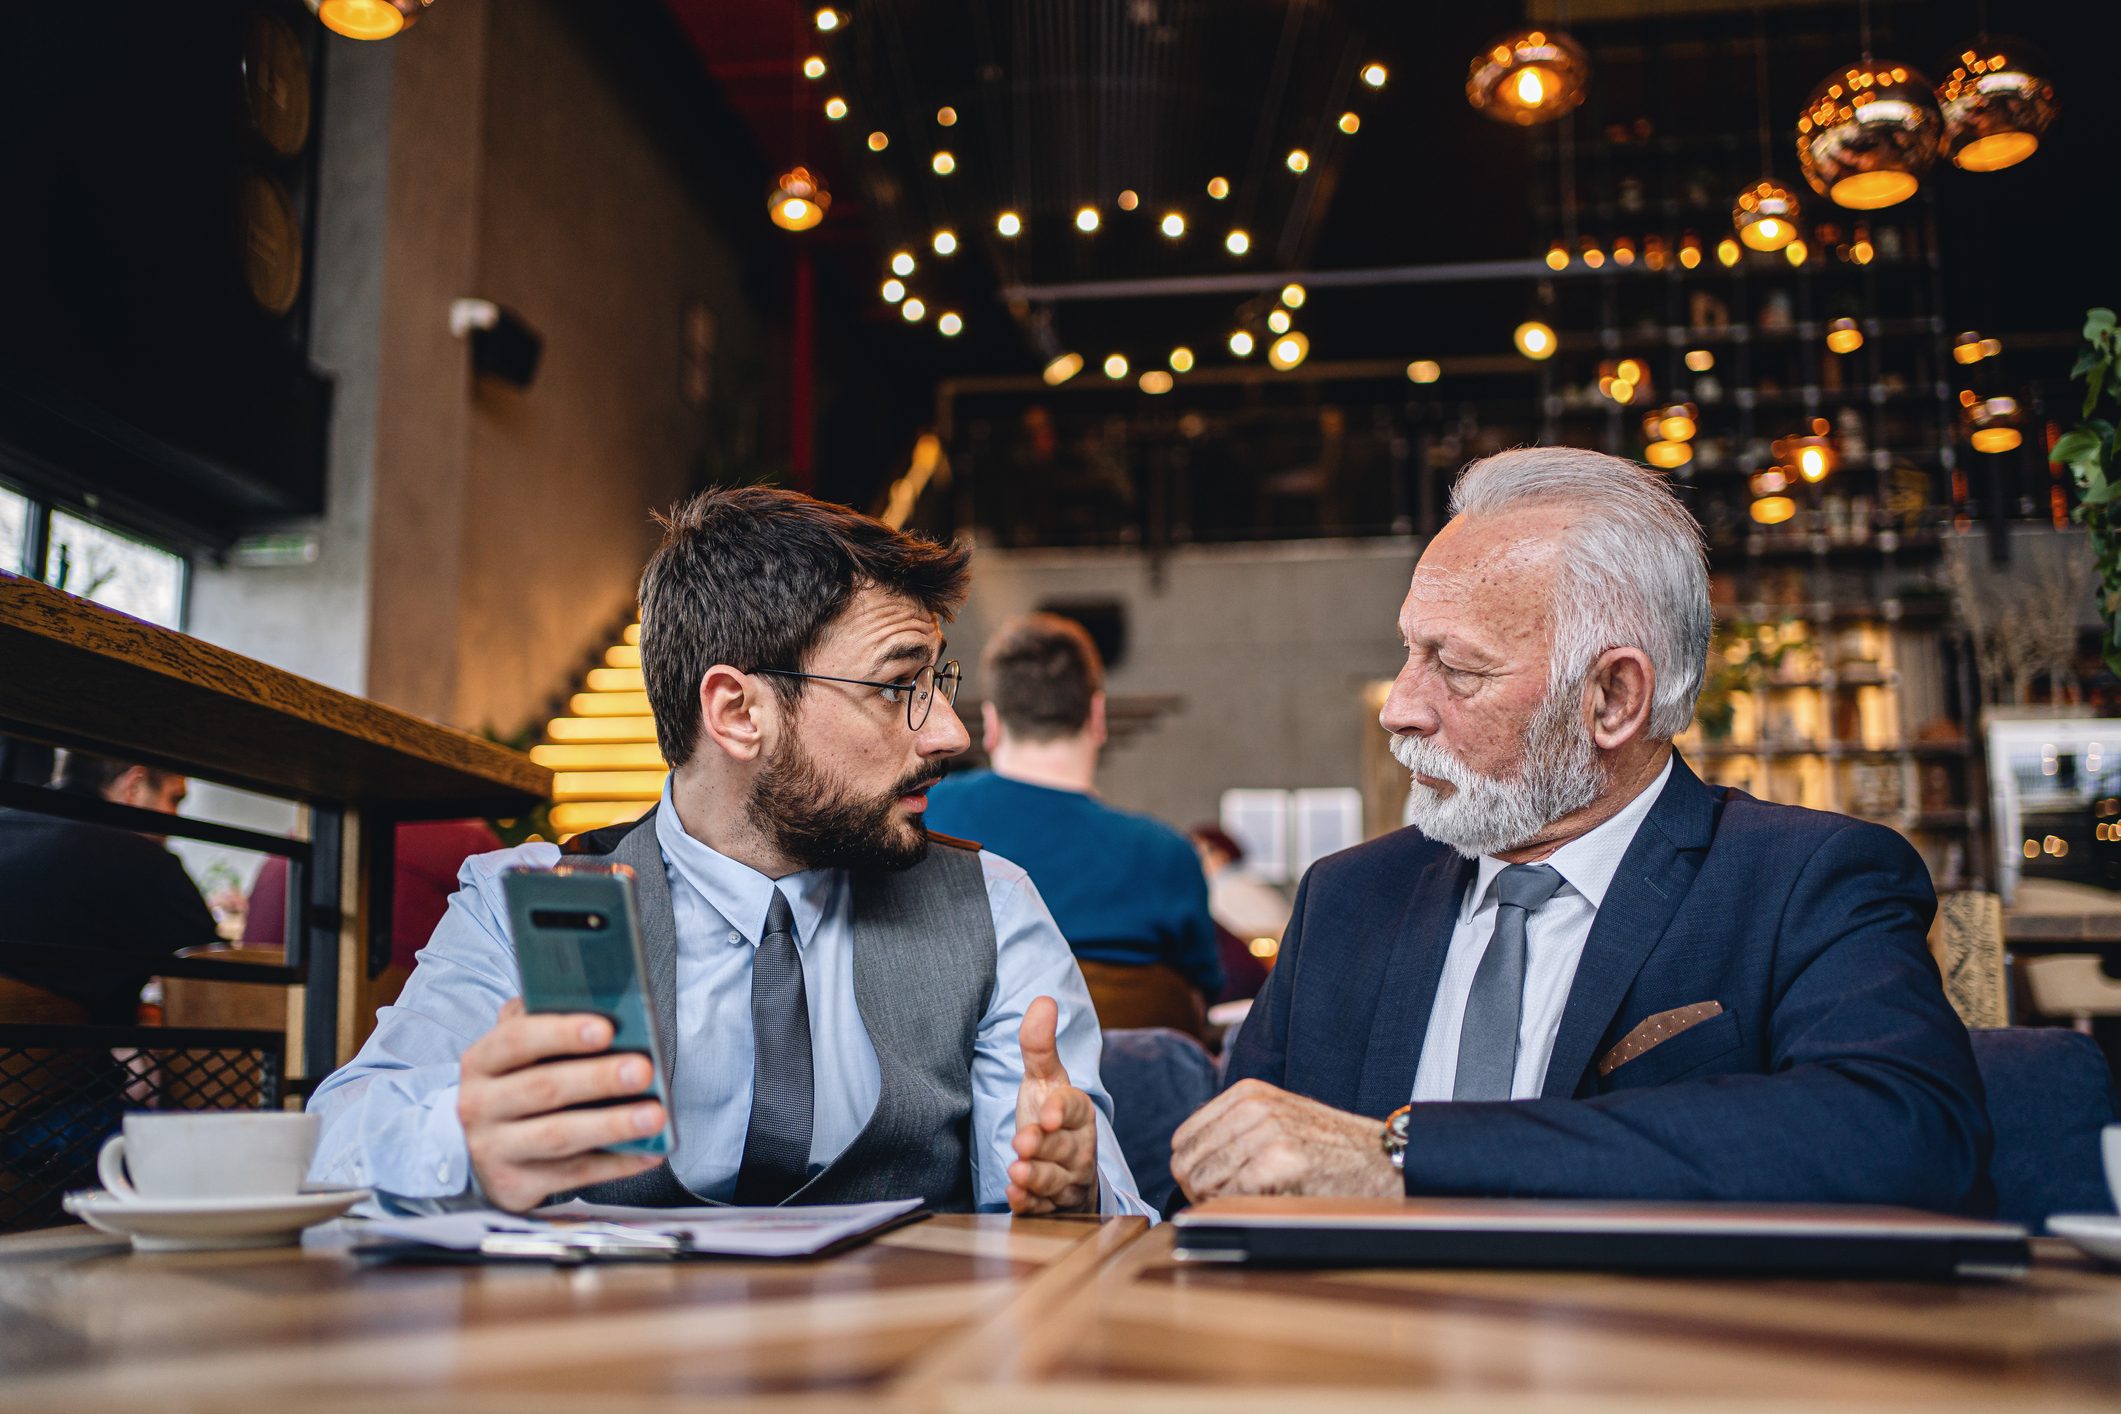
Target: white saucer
2096 1234
210 1224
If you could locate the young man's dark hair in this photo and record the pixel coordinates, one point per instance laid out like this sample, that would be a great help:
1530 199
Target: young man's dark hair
1041 671
752 576
81 773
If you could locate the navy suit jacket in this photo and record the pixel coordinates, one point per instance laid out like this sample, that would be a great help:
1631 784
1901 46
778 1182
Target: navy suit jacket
1837 1071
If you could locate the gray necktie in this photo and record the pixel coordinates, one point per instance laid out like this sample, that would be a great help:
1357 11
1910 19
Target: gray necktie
777 1142
1487 1042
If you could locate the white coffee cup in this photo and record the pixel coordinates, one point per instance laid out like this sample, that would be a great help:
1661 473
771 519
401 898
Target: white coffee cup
2110 1151
208 1154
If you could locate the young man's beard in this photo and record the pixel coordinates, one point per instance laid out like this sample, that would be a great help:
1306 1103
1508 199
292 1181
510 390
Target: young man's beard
821 825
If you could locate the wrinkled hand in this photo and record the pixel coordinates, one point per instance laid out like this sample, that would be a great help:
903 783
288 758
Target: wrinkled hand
1055 1170
1253 1138
525 1141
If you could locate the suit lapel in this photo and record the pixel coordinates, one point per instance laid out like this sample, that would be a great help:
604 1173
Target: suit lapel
1407 991
1654 875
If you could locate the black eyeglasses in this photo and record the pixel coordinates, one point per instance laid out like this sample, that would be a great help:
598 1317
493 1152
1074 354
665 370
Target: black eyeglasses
919 692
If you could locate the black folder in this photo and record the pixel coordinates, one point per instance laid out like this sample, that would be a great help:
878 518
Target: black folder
1705 1238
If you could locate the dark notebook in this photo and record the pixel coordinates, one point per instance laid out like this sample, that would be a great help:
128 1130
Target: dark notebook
1753 1239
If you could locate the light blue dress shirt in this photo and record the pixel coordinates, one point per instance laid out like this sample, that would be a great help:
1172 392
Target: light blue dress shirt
389 1117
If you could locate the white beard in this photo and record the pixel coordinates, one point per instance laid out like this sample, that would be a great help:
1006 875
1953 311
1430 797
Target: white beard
1559 774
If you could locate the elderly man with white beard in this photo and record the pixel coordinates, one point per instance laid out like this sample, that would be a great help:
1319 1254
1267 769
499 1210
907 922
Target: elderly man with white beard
1580 972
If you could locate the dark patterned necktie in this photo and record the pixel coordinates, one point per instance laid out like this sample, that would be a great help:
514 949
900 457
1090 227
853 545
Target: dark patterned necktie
1487 1041
777 1143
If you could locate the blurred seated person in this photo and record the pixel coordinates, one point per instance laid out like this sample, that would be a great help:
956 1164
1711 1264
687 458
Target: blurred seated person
428 855
1126 890
1249 915
70 884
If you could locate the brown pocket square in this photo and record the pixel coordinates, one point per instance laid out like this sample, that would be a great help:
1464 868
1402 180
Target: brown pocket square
1656 1030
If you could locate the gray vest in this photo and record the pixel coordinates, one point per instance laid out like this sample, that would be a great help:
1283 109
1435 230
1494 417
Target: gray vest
924 950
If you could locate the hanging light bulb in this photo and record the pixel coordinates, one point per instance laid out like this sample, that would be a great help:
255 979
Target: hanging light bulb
1181 359
1996 101
1727 251
879 140
1289 350
835 108
1115 366
902 262
1971 348
1218 187
798 201
1424 370
1675 422
1773 510
1534 340
828 19
1374 75
1173 225
1994 424
1279 321
1860 249
1593 257
1241 344
1624 251
367 19
1699 360
1062 368
913 311
1237 243
1009 225
1557 255
1528 76
1299 160
1086 219
946 116
1812 455
894 291
1293 295
1667 455
1766 215
1350 124
949 324
1843 336
814 67
944 163
945 242
1868 134
1796 252
1156 382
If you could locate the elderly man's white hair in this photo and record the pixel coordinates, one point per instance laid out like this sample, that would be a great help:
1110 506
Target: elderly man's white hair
1635 574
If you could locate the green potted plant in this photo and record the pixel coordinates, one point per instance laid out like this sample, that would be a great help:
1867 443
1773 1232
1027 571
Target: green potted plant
2088 452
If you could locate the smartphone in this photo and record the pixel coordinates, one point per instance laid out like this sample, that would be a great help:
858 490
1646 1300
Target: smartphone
578 949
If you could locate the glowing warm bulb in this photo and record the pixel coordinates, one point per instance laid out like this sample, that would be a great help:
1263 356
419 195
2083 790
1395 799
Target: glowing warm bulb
946 116
1289 350
1173 225
1811 463
1629 369
828 20
1086 220
1374 75
1424 370
1237 243
1062 369
1116 366
1558 256
1795 252
949 325
944 163
894 291
1534 339
1241 344
814 67
1218 187
1298 160
1700 360
361 19
879 140
1156 382
1293 296
835 108
945 242
1350 124
1844 336
1009 224
795 214
1667 455
1773 510
1531 88
902 263
1278 321
1182 359
913 310
1129 199
1727 251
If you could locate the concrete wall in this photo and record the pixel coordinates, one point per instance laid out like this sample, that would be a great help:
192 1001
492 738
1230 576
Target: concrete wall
1271 647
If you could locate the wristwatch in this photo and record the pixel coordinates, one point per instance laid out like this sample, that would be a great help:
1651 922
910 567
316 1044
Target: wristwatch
1394 1137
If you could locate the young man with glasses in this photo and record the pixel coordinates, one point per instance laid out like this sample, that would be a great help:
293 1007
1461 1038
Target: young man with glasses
850 1008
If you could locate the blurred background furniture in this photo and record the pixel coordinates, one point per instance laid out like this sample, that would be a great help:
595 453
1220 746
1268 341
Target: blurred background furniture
1156 1078
2073 985
1131 997
1967 941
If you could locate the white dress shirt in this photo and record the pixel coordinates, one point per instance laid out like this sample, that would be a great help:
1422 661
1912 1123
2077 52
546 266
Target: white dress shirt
389 1116
1554 939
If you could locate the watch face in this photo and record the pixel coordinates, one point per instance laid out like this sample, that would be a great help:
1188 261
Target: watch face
276 84
272 243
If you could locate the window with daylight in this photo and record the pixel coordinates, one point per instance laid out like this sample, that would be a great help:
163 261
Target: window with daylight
115 570
14 531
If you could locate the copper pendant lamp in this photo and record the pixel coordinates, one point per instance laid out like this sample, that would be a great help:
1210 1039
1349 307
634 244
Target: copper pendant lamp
798 200
1996 101
1528 76
368 19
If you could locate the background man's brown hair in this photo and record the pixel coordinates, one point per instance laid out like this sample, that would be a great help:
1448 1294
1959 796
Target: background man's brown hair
1040 672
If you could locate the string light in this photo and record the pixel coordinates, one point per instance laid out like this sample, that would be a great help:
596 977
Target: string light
1773 510
1182 359
1557 256
878 141
1237 243
1278 321
1009 224
894 291
1623 251
1727 251
1796 252
835 108
1173 225
363 19
1843 337
1298 160
1424 370
1115 366
1700 360
1667 455
902 262
1350 124
1293 296
814 67
829 19
1086 220
1289 350
1128 199
1156 382
1690 250
949 325
946 117
1241 344
1218 187
913 310
944 163
1374 75
1533 339
945 242
1061 369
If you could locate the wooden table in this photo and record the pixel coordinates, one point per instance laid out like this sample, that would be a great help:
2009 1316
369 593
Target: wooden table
984 1314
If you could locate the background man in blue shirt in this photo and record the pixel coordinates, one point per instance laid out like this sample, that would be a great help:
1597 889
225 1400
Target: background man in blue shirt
1124 888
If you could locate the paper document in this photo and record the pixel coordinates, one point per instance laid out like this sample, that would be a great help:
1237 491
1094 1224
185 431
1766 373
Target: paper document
598 1229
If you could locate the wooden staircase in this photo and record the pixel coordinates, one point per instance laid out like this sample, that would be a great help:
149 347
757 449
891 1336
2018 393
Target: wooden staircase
602 754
